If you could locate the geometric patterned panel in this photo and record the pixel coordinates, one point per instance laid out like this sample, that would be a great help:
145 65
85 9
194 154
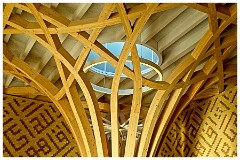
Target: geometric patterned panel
207 129
35 129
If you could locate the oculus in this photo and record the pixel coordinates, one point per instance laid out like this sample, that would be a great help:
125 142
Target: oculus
149 62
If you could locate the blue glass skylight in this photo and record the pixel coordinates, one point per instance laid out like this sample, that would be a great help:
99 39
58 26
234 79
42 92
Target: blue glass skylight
116 48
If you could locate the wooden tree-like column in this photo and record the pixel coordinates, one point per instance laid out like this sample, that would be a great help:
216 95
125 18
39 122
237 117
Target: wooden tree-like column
209 38
171 94
45 86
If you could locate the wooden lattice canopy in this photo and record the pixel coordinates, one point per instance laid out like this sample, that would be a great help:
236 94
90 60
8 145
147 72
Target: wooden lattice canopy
206 63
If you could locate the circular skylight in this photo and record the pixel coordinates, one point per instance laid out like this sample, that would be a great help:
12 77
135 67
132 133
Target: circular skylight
149 61
116 47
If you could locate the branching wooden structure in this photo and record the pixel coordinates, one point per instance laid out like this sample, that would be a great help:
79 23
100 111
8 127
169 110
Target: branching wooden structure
214 54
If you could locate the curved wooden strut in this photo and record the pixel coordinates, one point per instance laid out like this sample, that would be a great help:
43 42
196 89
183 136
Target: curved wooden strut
177 91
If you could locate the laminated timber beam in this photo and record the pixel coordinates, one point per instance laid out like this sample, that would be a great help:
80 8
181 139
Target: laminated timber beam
205 92
74 100
129 43
41 40
22 56
222 12
96 47
157 104
80 11
21 91
213 23
170 93
192 91
49 89
88 24
82 25
226 42
137 90
13 71
72 94
81 59
104 107
7 13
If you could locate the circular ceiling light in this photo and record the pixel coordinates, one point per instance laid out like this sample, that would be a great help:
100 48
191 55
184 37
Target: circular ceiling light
149 61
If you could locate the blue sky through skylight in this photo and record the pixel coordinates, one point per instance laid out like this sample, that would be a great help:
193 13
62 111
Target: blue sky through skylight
116 48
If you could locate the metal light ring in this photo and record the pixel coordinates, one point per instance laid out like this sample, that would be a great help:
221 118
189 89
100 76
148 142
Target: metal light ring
145 62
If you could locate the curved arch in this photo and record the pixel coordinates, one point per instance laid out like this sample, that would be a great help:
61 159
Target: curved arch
130 42
172 94
55 43
68 61
193 90
136 101
208 69
59 20
158 101
49 89
65 26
